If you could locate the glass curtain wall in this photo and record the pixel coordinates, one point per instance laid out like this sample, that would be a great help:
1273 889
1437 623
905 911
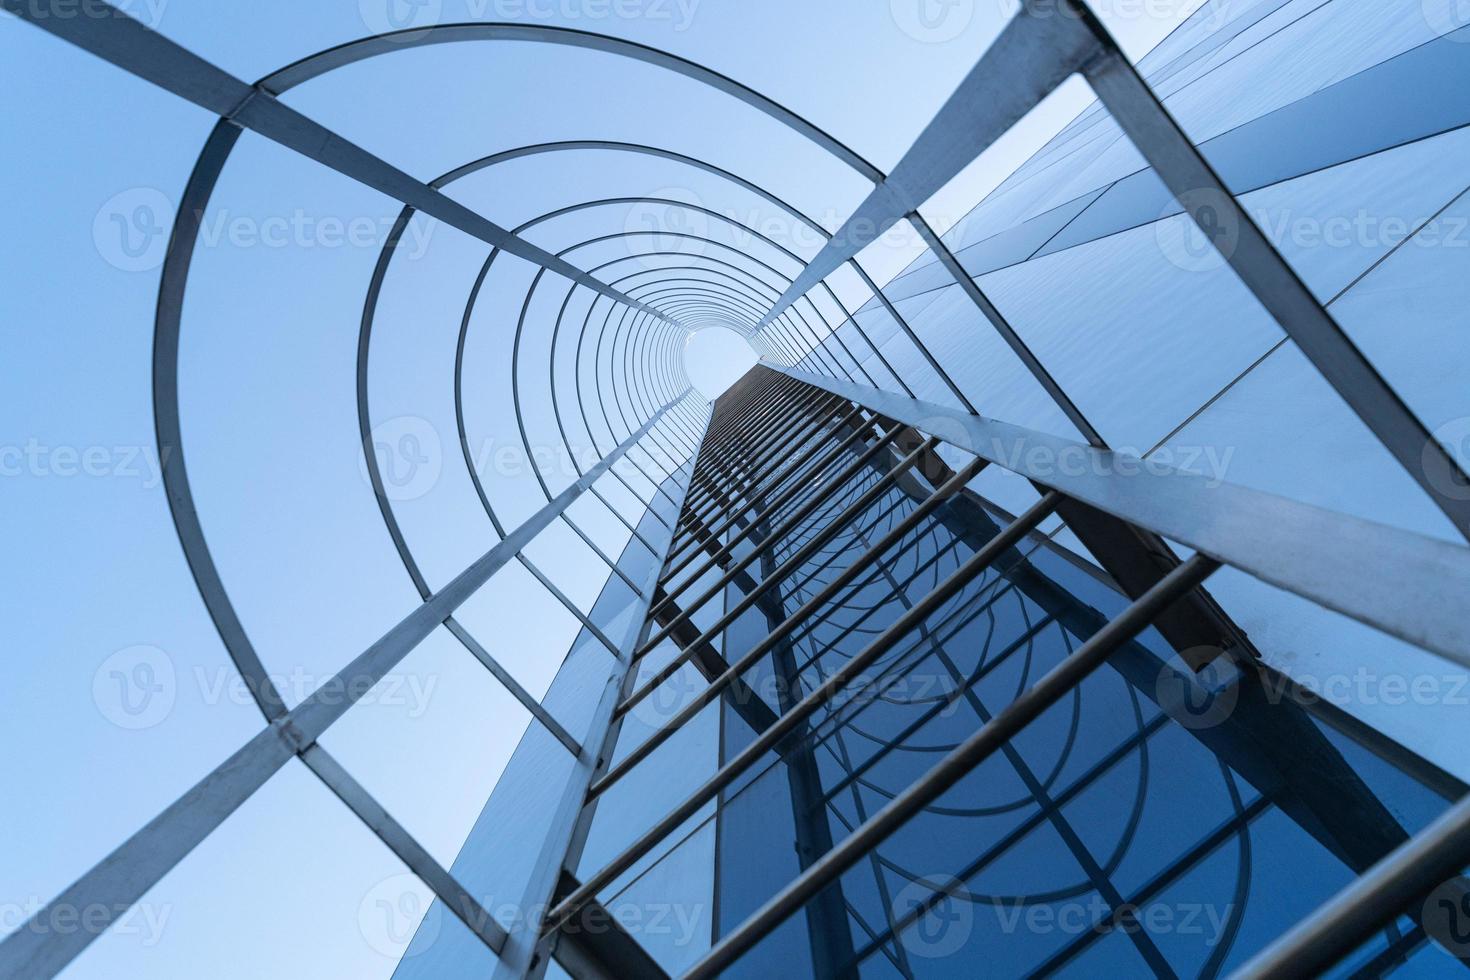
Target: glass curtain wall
1144 825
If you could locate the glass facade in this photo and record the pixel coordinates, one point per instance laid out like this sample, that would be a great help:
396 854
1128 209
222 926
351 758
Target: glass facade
1153 821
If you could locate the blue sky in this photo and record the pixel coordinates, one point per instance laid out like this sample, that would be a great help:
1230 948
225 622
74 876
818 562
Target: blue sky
98 596
716 358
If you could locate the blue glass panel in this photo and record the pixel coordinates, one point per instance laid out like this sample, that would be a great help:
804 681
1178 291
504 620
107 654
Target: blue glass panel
1137 341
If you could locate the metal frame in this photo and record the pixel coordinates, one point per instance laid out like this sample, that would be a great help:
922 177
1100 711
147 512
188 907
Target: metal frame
1393 580
1045 44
